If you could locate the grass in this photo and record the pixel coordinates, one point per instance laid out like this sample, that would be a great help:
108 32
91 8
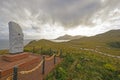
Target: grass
2 52
79 64
86 66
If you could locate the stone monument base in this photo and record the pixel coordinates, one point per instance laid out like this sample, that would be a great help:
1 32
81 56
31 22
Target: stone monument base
7 62
15 57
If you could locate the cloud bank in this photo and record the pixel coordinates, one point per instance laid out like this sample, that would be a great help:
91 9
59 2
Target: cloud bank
52 18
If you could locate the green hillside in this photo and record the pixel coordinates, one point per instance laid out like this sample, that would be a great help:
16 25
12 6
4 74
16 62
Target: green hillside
108 42
46 45
110 36
81 64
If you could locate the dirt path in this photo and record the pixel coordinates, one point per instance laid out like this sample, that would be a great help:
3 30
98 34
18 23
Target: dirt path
106 54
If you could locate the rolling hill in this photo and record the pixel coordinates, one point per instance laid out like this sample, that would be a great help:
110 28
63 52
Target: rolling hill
110 36
69 37
108 42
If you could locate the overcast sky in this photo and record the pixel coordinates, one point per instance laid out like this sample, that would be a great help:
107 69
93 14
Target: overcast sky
52 18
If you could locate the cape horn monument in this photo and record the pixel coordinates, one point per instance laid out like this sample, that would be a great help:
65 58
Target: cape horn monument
15 38
23 60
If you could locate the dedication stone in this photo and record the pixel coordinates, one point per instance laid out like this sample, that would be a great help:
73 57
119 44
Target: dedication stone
15 38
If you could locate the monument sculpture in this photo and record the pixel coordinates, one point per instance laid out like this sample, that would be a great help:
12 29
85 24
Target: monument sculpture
22 60
15 38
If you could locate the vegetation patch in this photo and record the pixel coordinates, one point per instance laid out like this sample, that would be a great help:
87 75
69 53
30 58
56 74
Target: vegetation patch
114 44
82 66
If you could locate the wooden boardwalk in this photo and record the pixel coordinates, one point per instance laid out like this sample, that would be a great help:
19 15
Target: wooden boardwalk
36 74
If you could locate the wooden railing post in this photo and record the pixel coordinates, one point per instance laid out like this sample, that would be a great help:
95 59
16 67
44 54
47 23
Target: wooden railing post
43 66
55 59
15 73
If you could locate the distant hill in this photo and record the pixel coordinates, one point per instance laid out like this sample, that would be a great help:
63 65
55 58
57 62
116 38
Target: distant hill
108 42
69 37
42 42
112 35
107 37
103 39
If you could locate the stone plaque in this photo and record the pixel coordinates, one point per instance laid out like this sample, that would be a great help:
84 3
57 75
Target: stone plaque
16 44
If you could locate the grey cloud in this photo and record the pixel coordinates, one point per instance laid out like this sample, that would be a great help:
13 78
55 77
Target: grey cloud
71 12
66 12
32 14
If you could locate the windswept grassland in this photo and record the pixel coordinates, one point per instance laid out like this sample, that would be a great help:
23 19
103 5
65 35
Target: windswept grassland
79 64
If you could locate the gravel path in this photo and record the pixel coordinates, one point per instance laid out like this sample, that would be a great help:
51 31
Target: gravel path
106 54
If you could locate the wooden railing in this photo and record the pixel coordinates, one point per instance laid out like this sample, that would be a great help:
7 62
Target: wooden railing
42 63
